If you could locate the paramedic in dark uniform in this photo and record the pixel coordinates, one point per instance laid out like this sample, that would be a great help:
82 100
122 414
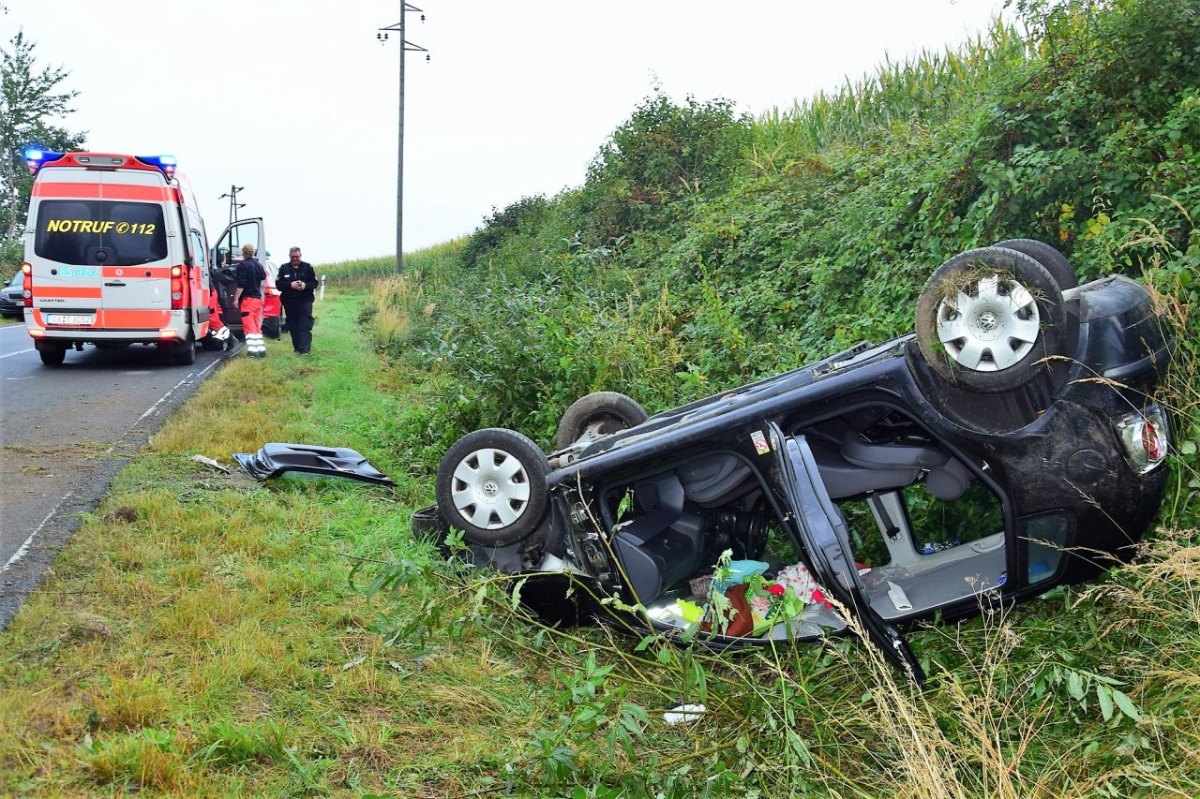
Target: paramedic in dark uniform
248 296
296 282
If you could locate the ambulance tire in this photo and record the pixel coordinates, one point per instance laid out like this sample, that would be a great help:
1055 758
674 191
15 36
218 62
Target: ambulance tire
185 354
53 357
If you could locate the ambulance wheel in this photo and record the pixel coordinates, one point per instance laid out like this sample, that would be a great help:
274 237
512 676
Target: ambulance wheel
54 356
185 354
492 485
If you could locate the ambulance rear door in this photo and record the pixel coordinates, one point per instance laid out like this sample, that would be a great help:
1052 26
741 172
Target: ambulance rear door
102 246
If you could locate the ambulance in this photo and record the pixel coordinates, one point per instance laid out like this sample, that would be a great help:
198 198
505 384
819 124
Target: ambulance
116 253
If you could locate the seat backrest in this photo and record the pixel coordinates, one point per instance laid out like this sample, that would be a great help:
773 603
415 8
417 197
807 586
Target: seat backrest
661 503
859 467
714 481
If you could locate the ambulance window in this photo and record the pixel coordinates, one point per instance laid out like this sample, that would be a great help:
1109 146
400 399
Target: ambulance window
100 232
198 249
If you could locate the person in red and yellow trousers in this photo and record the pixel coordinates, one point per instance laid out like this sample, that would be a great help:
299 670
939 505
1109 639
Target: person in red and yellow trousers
248 296
216 326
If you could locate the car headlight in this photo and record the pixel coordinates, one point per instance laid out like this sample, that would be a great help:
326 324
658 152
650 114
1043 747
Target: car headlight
1145 436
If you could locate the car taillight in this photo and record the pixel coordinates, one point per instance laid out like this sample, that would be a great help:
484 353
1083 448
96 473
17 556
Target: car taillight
176 288
27 284
1145 436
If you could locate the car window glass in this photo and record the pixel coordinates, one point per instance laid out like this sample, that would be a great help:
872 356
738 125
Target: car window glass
100 232
229 248
198 249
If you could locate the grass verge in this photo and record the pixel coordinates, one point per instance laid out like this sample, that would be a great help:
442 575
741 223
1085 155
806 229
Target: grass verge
205 635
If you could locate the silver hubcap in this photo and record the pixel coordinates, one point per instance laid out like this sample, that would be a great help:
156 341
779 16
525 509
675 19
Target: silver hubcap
990 325
490 488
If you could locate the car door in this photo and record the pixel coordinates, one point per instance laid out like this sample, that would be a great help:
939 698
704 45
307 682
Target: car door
225 256
228 250
821 535
135 259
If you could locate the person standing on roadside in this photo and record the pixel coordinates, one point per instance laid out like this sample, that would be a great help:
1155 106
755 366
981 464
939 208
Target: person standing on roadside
248 296
297 282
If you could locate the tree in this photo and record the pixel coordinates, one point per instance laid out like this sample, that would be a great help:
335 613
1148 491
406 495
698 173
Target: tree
29 99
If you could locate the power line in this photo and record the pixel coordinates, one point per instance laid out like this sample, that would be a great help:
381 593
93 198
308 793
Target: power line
405 45
234 205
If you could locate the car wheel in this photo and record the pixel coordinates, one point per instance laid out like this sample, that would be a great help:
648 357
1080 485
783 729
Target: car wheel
492 485
599 413
185 354
1048 256
429 525
53 357
987 319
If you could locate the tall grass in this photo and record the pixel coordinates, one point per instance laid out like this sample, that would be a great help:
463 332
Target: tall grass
362 272
922 90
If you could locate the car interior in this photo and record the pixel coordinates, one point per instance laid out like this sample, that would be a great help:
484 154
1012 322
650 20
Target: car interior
923 530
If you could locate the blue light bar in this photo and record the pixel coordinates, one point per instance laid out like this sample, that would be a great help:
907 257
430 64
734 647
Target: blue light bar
35 157
159 161
164 162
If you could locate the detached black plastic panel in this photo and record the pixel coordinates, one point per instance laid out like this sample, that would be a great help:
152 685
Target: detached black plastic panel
275 459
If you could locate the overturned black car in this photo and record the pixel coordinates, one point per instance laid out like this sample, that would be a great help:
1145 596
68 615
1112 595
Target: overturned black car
1009 445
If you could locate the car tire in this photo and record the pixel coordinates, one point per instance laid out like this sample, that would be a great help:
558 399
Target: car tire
185 354
429 525
492 485
53 357
988 319
602 412
1049 257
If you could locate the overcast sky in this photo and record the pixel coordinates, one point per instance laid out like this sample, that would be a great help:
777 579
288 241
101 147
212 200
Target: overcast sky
295 101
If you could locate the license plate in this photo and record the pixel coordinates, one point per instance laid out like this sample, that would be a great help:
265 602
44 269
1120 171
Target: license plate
69 318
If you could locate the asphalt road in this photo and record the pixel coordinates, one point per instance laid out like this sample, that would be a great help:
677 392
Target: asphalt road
64 434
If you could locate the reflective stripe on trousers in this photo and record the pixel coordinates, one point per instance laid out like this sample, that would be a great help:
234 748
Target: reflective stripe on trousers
255 345
251 308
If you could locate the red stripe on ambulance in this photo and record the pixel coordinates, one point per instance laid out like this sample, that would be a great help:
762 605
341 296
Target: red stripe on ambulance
65 292
127 272
94 191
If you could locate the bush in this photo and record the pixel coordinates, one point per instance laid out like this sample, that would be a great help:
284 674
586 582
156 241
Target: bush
525 213
706 249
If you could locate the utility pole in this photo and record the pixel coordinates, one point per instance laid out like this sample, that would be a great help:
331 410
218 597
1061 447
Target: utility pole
234 205
405 45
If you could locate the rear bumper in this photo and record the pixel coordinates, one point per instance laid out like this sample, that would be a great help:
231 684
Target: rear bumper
111 326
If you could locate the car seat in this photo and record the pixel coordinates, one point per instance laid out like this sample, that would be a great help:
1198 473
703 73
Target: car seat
662 545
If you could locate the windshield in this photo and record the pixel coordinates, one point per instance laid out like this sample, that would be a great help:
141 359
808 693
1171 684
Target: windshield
100 232
17 279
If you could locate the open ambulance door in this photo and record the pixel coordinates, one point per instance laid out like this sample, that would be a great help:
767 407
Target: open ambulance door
821 534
